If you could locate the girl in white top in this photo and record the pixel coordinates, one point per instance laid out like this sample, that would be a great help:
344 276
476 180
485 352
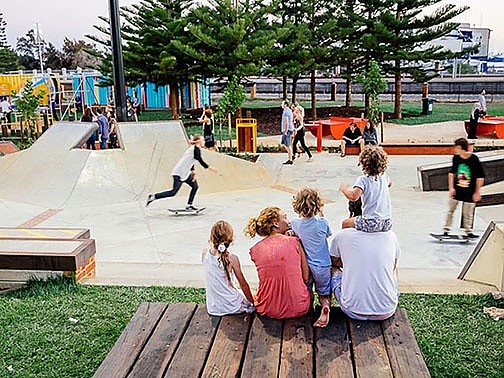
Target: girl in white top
221 267
373 186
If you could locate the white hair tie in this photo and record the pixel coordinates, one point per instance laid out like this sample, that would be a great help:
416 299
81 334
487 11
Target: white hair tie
221 248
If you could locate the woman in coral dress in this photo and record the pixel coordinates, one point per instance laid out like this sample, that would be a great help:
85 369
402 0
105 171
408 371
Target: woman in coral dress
281 267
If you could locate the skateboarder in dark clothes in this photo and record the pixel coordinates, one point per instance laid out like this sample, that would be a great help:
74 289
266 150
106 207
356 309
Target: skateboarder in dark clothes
465 179
184 172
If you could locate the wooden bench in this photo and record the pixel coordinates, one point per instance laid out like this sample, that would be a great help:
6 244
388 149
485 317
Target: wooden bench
182 340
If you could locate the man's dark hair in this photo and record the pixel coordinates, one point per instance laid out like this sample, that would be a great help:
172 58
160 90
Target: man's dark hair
99 110
286 103
481 90
462 143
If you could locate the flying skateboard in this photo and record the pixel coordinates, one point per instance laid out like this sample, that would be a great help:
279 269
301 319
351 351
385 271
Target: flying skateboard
450 237
186 212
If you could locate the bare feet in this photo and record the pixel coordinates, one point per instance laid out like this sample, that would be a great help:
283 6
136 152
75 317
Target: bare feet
323 319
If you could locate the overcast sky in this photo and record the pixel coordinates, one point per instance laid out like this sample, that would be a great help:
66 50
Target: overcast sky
74 19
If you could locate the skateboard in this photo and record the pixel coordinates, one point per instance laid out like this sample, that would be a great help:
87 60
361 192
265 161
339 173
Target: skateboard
186 212
451 237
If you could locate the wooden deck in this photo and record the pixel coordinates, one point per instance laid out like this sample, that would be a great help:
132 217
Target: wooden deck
182 340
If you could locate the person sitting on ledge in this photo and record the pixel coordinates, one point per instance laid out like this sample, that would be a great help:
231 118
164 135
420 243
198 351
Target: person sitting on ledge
351 137
369 136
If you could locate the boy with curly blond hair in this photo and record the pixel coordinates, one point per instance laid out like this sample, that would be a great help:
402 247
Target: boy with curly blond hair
313 230
373 186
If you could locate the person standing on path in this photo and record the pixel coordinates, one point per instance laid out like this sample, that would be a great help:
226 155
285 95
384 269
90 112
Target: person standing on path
88 117
482 101
465 180
208 129
184 173
287 129
103 128
476 113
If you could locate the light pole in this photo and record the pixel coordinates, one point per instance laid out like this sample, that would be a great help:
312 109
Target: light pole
39 41
117 61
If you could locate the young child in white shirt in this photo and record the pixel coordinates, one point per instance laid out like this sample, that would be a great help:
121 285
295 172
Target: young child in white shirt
373 186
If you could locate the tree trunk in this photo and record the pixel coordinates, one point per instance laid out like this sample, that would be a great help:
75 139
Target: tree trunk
284 87
182 97
313 95
294 88
174 100
367 104
348 96
230 134
397 90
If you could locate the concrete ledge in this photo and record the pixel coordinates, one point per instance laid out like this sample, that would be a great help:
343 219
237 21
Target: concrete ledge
45 254
435 176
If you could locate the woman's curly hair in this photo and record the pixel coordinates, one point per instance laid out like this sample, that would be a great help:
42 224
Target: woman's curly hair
307 202
264 224
373 160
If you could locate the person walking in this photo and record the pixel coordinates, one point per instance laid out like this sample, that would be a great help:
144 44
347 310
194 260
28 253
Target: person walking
299 133
287 129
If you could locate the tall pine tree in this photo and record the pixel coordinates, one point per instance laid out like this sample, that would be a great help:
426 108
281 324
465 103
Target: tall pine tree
8 57
230 39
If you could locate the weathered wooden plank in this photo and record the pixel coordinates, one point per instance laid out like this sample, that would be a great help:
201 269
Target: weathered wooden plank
332 347
229 346
131 342
160 347
297 348
370 353
404 354
190 356
263 348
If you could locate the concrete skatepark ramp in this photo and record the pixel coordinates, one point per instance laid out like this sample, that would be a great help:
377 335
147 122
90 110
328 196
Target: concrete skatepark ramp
56 173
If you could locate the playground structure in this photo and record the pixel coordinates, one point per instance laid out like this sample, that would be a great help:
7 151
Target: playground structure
67 92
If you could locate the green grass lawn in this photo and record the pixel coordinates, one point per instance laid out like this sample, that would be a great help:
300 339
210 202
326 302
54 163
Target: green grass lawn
38 339
412 111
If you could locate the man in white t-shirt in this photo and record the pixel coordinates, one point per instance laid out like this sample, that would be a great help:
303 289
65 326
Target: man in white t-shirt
5 109
366 286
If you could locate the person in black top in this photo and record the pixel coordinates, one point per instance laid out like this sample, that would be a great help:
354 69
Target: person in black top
476 113
465 179
184 172
208 129
351 137
88 117
369 136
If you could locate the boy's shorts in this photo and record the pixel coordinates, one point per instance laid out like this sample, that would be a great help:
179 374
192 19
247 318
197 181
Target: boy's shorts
372 225
287 138
321 277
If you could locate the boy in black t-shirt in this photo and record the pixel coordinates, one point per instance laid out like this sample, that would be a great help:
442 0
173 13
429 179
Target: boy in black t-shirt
464 182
